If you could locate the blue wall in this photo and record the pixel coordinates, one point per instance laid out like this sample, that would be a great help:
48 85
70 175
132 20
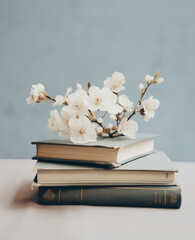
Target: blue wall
59 43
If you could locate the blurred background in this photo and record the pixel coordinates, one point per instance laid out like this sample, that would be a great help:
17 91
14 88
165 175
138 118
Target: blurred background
61 43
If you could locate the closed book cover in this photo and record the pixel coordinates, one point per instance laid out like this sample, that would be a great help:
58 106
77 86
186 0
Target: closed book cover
155 168
105 151
136 196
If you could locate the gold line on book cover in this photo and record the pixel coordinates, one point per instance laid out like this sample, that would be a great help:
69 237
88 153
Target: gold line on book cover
165 193
81 194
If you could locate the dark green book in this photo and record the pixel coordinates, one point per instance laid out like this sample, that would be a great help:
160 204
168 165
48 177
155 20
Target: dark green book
135 196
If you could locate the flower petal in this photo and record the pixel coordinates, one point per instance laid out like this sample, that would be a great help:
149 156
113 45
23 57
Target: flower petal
125 102
94 91
91 134
114 108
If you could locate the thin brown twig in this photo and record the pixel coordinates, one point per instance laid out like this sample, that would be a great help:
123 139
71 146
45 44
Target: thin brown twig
140 100
104 114
50 98
100 124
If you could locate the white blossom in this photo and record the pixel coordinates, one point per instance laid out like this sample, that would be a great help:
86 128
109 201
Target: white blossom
66 116
149 78
141 86
146 118
62 99
76 103
126 103
55 122
59 100
159 80
78 86
112 117
80 90
100 120
102 99
78 116
114 108
128 128
149 106
33 97
115 82
82 130
37 94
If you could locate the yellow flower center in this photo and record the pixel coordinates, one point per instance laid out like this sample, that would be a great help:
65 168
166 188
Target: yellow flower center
82 131
98 101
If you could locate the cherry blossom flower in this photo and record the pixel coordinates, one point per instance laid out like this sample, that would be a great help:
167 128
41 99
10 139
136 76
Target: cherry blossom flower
149 78
114 108
125 103
37 94
78 118
82 130
149 106
102 99
128 128
62 99
76 104
80 90
115 82
79 86
55 122
66 116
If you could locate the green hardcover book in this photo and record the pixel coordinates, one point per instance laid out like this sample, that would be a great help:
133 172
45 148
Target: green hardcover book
104 151
136 196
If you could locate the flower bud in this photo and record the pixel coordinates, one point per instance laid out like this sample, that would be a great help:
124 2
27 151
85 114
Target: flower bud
112 117
141 86
159 80
149 78
100 120
141 111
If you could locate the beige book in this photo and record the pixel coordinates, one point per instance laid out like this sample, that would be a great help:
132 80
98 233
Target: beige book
155 168
110 151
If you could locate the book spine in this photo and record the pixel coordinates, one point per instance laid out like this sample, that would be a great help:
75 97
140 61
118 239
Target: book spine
157 197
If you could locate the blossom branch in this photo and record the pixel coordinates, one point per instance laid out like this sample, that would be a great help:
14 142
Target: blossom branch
77 118
140 101
100 124
104 114
50 98
149 83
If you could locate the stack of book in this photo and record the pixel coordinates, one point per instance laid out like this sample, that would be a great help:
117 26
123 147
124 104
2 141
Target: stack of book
109 172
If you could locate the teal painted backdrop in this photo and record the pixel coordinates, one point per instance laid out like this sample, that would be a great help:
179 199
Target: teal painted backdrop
59 43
